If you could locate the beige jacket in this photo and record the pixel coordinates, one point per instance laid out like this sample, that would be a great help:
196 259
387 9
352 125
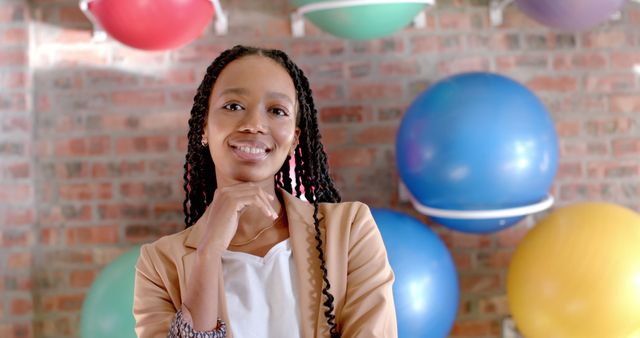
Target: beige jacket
359 272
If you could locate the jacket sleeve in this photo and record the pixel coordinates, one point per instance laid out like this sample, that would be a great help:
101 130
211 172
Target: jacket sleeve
369 310
153 310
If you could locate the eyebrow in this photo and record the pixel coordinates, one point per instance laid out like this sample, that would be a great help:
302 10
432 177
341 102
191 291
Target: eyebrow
243 91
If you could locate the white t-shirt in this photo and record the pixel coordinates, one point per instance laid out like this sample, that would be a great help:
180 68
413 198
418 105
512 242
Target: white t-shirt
261 293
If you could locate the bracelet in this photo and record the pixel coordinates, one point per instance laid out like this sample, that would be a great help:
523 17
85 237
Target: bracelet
182 329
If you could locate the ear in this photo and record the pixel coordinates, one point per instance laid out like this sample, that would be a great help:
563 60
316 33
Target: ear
292 151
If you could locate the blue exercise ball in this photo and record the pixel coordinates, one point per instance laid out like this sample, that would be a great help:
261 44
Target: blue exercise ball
426 287
477 141
107 308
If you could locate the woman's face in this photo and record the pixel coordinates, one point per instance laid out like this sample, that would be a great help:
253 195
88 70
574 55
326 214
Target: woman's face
251 126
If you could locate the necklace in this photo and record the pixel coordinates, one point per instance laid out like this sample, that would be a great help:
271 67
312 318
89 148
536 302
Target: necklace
277 220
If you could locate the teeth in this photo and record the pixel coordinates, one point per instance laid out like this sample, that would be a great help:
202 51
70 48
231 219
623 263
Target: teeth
252 150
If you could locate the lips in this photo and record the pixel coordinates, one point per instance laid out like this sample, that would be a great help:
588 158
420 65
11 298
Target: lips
250 150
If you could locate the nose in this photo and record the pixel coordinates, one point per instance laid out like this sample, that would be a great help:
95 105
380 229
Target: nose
253 121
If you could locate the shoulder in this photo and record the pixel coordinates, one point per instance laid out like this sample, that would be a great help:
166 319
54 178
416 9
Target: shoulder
347 214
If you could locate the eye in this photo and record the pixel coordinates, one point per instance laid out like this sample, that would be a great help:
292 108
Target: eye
232 106
279 111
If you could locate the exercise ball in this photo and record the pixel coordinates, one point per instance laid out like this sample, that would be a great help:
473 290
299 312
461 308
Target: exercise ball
362 22
477 141
576 274
107 308
153 25
570 15
426 286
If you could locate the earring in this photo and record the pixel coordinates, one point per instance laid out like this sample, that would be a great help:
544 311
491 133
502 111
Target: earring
204 142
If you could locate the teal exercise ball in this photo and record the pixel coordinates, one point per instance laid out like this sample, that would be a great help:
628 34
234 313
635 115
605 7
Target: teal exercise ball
107 308
362 22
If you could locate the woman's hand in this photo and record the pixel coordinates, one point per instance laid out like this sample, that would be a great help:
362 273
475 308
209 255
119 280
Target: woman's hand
223 213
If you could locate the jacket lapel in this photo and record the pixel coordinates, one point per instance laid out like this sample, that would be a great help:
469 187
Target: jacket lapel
303 243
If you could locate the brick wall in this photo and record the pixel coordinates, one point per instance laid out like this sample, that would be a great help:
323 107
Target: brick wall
102 168
17 204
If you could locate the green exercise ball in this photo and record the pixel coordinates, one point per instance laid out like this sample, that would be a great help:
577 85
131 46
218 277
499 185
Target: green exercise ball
106 311
362 22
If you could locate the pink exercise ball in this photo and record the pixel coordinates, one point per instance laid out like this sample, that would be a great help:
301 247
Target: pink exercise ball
570 15
153 25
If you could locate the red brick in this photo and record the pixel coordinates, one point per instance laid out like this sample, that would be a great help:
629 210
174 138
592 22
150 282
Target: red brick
351 157
425 44
18 170
107 234
608 83
515 62
76 56
19 260
122 211
546 83
21 306
142 144
568 128
117 169
626 147
477 283
18 216
138 99
343 114
462 260
609 126
375 91
625 103
14 193
587 61
334 135
511 237
459 240
570 192
13 79
569 170
14 35
62 302
625 60
457 21
85 191
392 45
327 92
464 64
496 259
400 67
16 57
612 169
90 146
377 134
13 12
302 47
81 278
605 39
13 102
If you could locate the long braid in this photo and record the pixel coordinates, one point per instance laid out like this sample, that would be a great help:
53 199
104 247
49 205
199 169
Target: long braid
311 170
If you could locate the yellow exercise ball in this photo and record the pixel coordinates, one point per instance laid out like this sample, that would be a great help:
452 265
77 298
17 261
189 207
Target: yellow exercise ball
576 274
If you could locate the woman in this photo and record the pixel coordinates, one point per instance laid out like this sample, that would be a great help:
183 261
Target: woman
254 260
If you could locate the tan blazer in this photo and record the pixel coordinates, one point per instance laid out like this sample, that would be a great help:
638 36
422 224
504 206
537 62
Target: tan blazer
359 272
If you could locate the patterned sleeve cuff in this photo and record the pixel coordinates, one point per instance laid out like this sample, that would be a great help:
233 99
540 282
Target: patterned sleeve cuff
180 328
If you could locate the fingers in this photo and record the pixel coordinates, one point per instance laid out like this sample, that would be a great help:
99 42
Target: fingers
244 195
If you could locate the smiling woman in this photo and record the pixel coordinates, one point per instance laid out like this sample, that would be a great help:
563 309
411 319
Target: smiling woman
255 260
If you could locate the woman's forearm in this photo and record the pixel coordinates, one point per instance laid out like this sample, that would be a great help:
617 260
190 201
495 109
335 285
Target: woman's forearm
201 299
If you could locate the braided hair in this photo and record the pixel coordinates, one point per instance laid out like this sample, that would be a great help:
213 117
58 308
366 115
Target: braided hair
311 170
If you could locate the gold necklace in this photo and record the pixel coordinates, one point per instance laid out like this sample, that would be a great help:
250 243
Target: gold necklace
277 220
